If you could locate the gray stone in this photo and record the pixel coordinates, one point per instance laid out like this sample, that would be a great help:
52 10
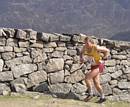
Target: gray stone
23 69
113 98
76 38
105 78
110 62
119 57
113 83
61 44
67 67
50 45
116 91
48 50
18 54
38 44
67 57
124 62
71 52
23 44
38 77
43 87
29 84
76 59
79 88
2 49
127 70
65 38
21 34
67 73
38 55
25 53
75 77
56 77
40 58
124 97
8 55
44 36
4 87
113 52
1 64
12 42
16 49
57 54
61 49
6 76
1 33
74 67
110 69
60 89
122 44
32 35
16 61
69 62
9 32
54 37
42 66
116 74
107 89
8 49
2 41
20 88
21 80
124 85
55 64
128 77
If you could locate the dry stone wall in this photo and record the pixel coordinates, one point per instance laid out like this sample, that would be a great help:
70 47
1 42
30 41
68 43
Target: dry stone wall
44 62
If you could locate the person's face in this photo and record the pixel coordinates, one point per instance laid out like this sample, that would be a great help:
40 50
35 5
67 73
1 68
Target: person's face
88 43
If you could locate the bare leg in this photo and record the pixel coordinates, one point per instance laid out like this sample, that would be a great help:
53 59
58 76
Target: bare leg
89 77
96 80
98 86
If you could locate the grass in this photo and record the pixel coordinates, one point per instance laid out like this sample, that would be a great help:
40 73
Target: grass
48 101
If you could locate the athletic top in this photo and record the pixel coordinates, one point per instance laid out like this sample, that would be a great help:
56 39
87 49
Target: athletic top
94 57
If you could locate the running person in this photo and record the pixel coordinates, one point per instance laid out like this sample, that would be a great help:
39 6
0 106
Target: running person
93 52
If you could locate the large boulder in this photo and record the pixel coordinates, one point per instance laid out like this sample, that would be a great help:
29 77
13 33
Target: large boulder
107 89
55 64
75 77
56 77
23 69
110 63
60 89
8 55
6 76
38 77
21 34
124 85
105 78
2 41
17 61
43 87
116 74
79 88
4 88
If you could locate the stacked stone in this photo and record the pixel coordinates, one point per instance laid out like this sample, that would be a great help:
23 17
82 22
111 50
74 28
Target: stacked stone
45 62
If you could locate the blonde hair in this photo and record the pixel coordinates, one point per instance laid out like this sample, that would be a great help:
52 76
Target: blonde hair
89 39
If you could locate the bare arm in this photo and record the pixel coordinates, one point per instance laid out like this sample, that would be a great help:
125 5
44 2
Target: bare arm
81 54
104 50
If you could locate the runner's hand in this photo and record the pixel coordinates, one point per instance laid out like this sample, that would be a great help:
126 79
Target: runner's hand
81 60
